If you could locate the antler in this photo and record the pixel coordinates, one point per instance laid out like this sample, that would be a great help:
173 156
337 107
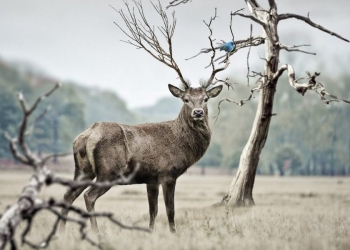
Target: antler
142 35
212 60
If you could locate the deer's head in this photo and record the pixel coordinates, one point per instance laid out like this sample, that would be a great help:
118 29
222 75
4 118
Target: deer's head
195 99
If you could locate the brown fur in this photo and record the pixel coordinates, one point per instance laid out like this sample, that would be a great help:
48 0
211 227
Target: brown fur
162 150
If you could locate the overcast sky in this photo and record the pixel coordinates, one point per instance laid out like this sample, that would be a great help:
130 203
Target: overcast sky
77 40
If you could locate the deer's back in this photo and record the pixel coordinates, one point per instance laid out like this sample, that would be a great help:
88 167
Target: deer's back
159 148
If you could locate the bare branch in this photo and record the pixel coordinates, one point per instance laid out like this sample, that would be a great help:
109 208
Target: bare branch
43 97
311 85
243 101
45 243
122 180
231 17
240 44
24 155
83 216
142 34
39 117
251 17
294 48
27 201
311 23
13 147
250 40
107 215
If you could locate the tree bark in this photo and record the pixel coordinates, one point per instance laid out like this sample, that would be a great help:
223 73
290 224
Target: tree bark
240 191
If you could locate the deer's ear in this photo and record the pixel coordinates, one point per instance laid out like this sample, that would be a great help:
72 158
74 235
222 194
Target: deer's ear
176 91
213 92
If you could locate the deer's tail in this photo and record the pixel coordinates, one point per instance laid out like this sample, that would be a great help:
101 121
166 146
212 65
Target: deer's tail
83 166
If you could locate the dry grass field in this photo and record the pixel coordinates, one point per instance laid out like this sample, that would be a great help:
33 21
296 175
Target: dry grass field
291 213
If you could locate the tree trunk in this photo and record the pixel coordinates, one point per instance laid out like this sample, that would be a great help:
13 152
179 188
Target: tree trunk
240 191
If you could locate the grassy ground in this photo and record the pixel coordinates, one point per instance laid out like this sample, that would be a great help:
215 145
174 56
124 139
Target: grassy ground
291 213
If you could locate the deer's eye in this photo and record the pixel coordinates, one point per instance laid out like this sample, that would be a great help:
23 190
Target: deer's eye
206 99
186 100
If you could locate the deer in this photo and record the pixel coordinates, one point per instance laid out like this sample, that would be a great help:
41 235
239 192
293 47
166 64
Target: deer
161 151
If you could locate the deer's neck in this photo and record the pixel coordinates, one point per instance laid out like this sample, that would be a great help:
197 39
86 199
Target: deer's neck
196 134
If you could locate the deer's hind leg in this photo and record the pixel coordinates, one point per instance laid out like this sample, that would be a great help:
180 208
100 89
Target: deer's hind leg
72 194
90 196
107 167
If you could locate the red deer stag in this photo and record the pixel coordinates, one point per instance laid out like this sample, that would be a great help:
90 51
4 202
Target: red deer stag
163 151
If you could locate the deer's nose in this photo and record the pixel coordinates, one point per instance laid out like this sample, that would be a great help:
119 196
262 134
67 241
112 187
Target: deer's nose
198 113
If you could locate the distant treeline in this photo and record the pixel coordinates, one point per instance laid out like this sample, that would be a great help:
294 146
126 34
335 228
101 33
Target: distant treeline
305 137
71 109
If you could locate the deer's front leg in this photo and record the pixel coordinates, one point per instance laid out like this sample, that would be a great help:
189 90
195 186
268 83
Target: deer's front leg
152 193
168 193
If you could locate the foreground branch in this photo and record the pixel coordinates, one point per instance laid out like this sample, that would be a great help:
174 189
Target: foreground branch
28 198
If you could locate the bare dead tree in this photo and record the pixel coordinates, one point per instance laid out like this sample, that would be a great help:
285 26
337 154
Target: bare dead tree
29 203
240 191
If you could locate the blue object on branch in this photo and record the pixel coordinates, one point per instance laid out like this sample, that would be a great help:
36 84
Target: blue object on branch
228 47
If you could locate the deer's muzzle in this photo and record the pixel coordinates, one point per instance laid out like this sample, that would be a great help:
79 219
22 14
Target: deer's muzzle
198 114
